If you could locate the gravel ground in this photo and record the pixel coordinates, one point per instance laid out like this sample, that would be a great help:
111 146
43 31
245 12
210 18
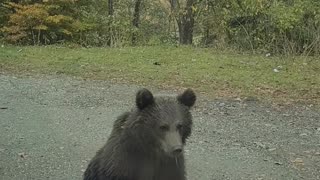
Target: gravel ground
50 127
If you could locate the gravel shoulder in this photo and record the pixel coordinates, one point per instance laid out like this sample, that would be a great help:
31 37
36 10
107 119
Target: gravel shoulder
51 126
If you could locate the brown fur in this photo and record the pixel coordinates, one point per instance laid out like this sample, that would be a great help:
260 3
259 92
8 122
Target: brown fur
146 143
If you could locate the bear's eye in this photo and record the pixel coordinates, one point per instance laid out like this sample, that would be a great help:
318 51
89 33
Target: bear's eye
179 126
164 127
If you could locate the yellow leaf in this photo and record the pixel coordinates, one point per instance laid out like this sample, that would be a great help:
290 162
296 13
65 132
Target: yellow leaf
41 27
194 9
66 32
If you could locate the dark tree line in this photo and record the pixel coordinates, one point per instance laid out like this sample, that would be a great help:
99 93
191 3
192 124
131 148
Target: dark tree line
278 26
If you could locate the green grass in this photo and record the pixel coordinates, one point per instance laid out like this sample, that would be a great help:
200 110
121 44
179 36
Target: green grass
217 74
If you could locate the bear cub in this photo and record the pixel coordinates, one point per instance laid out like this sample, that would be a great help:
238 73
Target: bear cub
147 142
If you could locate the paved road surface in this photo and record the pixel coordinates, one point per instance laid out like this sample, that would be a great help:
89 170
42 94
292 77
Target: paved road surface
51 126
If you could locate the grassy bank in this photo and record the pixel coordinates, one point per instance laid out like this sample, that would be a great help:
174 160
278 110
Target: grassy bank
218 74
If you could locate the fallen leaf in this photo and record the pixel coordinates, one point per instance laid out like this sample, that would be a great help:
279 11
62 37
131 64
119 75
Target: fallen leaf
298 161
272 149
22 155
278 163
304 134
259 144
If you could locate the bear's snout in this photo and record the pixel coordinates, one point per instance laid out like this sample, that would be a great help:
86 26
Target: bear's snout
177 150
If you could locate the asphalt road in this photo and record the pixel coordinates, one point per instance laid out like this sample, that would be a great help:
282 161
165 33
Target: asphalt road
50 127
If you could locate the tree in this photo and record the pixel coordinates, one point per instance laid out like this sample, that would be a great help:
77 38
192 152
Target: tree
277 26
37 24
185 19
136 20
110 14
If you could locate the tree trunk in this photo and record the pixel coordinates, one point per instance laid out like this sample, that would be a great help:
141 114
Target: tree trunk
207 24
33 37
110 14
39 33
188 23
136 20
185 20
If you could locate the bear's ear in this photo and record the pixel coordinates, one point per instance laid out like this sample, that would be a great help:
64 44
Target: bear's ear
187 98
144 98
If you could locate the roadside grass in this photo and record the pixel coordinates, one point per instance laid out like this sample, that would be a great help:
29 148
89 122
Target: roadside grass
214 73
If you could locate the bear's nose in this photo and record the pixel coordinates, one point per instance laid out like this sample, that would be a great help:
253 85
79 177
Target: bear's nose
177 151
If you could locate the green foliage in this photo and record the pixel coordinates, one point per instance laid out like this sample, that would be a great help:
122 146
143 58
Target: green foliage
4 16
276 26
104 28
286 27
39 24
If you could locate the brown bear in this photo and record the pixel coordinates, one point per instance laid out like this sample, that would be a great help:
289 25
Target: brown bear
147 142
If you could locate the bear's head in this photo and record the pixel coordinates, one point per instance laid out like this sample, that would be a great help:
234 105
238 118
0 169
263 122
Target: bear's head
164 122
